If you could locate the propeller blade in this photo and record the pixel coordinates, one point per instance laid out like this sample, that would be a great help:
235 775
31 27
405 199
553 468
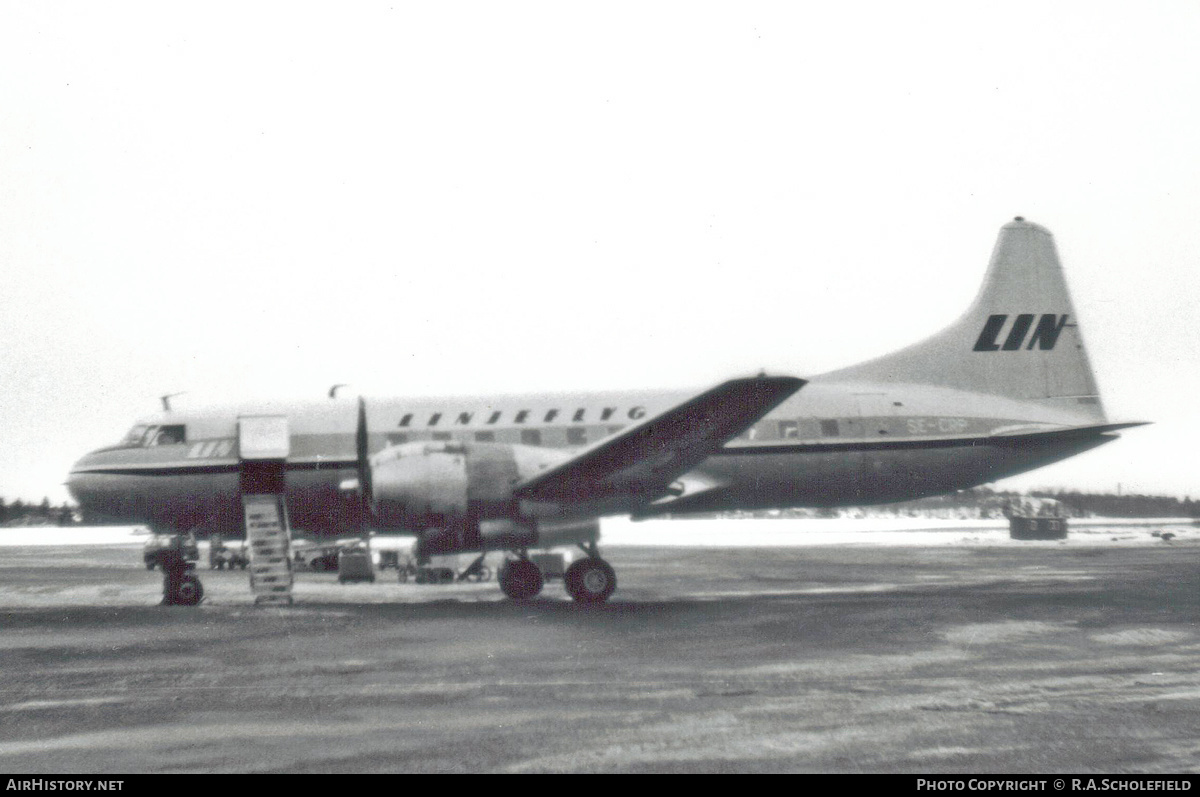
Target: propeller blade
364 464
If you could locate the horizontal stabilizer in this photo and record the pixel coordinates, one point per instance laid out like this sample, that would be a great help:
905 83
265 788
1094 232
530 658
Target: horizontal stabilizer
1070 432
646 458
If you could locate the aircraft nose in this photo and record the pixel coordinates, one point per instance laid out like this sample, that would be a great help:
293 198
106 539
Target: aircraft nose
80 483
75 481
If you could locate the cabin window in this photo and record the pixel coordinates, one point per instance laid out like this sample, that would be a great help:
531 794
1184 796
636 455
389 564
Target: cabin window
485 437
829 428
789 430
441 436
531 437
576 436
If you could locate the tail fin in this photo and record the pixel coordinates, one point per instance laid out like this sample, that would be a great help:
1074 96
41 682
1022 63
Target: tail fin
1020 339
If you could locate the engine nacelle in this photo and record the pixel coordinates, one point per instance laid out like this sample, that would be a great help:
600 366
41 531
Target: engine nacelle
459 497
415 484
445 485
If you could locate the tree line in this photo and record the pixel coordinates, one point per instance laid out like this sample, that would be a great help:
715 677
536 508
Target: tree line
19 513
1077 503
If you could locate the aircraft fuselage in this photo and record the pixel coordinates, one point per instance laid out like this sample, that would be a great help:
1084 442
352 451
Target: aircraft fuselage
832 444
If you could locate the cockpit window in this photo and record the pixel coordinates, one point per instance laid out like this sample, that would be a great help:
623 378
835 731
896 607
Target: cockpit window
135 436
144 436
169 436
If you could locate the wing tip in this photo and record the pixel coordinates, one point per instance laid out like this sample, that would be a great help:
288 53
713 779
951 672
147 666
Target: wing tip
792 383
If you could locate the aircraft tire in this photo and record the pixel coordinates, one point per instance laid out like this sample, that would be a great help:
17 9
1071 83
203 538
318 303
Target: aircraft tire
590 580
521 579
187 591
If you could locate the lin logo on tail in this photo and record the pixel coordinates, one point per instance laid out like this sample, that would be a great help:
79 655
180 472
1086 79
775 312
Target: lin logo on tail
1044 336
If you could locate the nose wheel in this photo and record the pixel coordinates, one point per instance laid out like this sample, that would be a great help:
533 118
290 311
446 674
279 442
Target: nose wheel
181 587
188 592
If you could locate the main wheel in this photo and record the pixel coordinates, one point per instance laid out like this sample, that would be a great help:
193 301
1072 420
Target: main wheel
521 579
590 580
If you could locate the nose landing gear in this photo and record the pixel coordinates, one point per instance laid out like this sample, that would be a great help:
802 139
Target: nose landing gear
181 587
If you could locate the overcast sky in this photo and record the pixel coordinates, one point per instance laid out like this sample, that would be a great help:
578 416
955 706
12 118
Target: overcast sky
256 199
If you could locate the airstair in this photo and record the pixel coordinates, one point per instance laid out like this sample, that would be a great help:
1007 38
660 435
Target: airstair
263 447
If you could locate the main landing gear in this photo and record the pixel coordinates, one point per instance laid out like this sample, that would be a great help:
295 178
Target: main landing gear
520 579
589 581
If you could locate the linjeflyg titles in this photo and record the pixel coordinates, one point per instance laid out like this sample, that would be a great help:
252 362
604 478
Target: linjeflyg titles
495 417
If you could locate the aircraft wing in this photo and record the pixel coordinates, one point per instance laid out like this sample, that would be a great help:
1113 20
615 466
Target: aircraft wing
645 459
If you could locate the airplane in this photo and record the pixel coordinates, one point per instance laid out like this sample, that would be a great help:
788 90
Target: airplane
1005 389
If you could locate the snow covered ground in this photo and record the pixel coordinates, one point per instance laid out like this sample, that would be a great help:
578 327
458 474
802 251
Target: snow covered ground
791 532
73 535
741 533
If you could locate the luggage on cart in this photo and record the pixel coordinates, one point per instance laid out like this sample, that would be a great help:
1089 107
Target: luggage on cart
354 564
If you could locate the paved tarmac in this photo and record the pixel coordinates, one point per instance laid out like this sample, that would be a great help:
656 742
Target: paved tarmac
861 658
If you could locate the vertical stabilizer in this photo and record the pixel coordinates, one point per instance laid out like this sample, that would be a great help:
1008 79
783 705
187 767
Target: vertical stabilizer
1020 339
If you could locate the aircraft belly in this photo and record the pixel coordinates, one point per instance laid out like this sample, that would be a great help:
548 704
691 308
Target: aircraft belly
209 502
789 479
165 501
316 504
869 475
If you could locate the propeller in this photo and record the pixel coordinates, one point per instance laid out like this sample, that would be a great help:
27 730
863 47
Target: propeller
364 467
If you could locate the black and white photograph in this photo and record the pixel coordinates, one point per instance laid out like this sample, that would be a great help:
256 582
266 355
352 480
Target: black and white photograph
626 388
